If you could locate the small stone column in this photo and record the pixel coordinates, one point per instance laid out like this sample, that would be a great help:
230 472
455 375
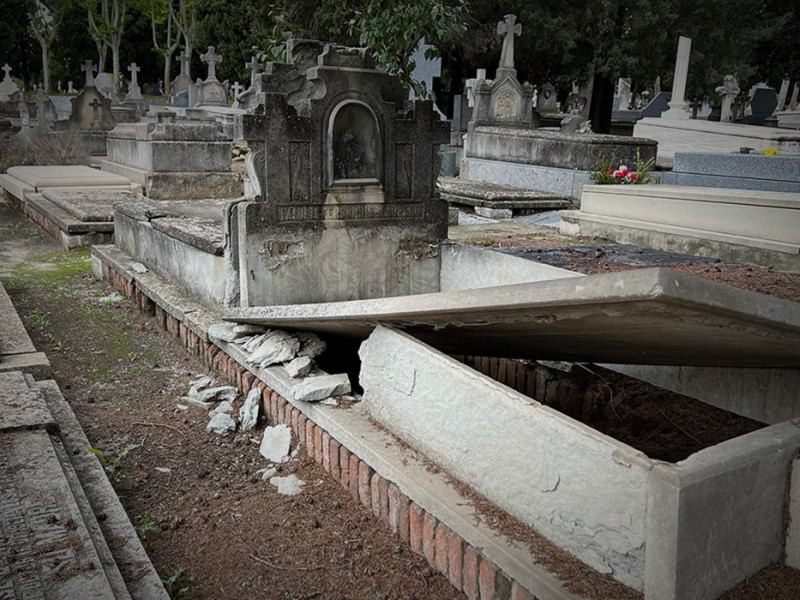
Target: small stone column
676 103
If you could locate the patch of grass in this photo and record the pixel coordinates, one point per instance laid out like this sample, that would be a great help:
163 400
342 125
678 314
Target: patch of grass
113 466
148 526
51 270
177 582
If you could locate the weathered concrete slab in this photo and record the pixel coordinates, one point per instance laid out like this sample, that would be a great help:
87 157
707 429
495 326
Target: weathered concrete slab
47 551
648 316
497 196
40 177
89 205
63 219
13 337
22 406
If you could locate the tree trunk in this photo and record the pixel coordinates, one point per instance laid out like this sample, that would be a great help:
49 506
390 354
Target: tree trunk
167 69
602 104
46 67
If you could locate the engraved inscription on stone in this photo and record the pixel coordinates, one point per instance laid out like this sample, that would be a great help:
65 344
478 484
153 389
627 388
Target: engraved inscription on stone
300 171
404 165
355 143
37 547
346 212
506 105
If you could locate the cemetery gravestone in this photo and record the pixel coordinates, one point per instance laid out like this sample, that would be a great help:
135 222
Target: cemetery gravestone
345 169
762 105
211 91
7 87
104 82
728 90
677 101
134 91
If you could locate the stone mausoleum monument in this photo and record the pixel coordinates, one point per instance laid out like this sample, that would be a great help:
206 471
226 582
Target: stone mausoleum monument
346 173
504 145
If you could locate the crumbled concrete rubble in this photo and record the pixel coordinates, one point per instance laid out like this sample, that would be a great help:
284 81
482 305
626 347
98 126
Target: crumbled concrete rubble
275 347
112 298
291 485
248 414
223 407
276 443
312 389
299 367
209 397
221 424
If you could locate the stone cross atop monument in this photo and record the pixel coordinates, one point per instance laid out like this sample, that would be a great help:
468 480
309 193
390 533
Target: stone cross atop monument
7 69
255 68
133 69
237 89
211 58
183 59
89 69
728 90
508 28
7 86
134 91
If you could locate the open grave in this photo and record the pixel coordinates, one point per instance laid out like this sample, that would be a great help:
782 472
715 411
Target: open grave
345 234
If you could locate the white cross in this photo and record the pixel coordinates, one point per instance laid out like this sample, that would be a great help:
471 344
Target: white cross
508 30
255 69
89 69
211 59
237 89
133 70
7 69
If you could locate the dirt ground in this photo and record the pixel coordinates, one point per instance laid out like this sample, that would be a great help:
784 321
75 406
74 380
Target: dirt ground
213 528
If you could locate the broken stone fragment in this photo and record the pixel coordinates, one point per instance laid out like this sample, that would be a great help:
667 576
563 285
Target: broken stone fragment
200 383
299 367
312 389
310 344
207 398
231 332
139 268
248 414
221 424
278 347
222 407
251 343
276 443
291 485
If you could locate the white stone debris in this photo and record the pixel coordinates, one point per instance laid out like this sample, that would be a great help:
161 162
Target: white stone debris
277 347
200 383
181 407
112 298
310 344
207 398
312 389
290 485
250 344
299 367
223 332
267 473
276 443
139 268
163 469
330 402
248 414
222 407
221 424
248 329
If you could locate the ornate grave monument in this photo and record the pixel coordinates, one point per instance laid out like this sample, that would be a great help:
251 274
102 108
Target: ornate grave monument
211 91
504 145
345 170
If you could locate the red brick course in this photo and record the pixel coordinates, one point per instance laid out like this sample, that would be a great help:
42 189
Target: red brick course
470 573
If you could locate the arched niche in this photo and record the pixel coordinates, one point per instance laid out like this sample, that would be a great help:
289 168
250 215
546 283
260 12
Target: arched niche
354 144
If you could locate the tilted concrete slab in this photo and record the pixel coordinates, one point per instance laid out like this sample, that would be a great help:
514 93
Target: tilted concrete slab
648 316
40 177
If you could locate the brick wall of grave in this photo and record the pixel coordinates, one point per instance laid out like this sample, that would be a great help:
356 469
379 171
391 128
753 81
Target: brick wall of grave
464 565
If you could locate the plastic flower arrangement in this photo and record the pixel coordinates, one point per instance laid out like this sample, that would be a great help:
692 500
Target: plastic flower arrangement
623 175
771 152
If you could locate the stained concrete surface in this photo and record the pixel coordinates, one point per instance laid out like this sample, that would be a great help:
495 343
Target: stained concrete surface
646 316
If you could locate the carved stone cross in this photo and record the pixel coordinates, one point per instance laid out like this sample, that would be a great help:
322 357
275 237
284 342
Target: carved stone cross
133 70
728 90
237 89
183 59
255 69
89 69
211 58
508 28
7 69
